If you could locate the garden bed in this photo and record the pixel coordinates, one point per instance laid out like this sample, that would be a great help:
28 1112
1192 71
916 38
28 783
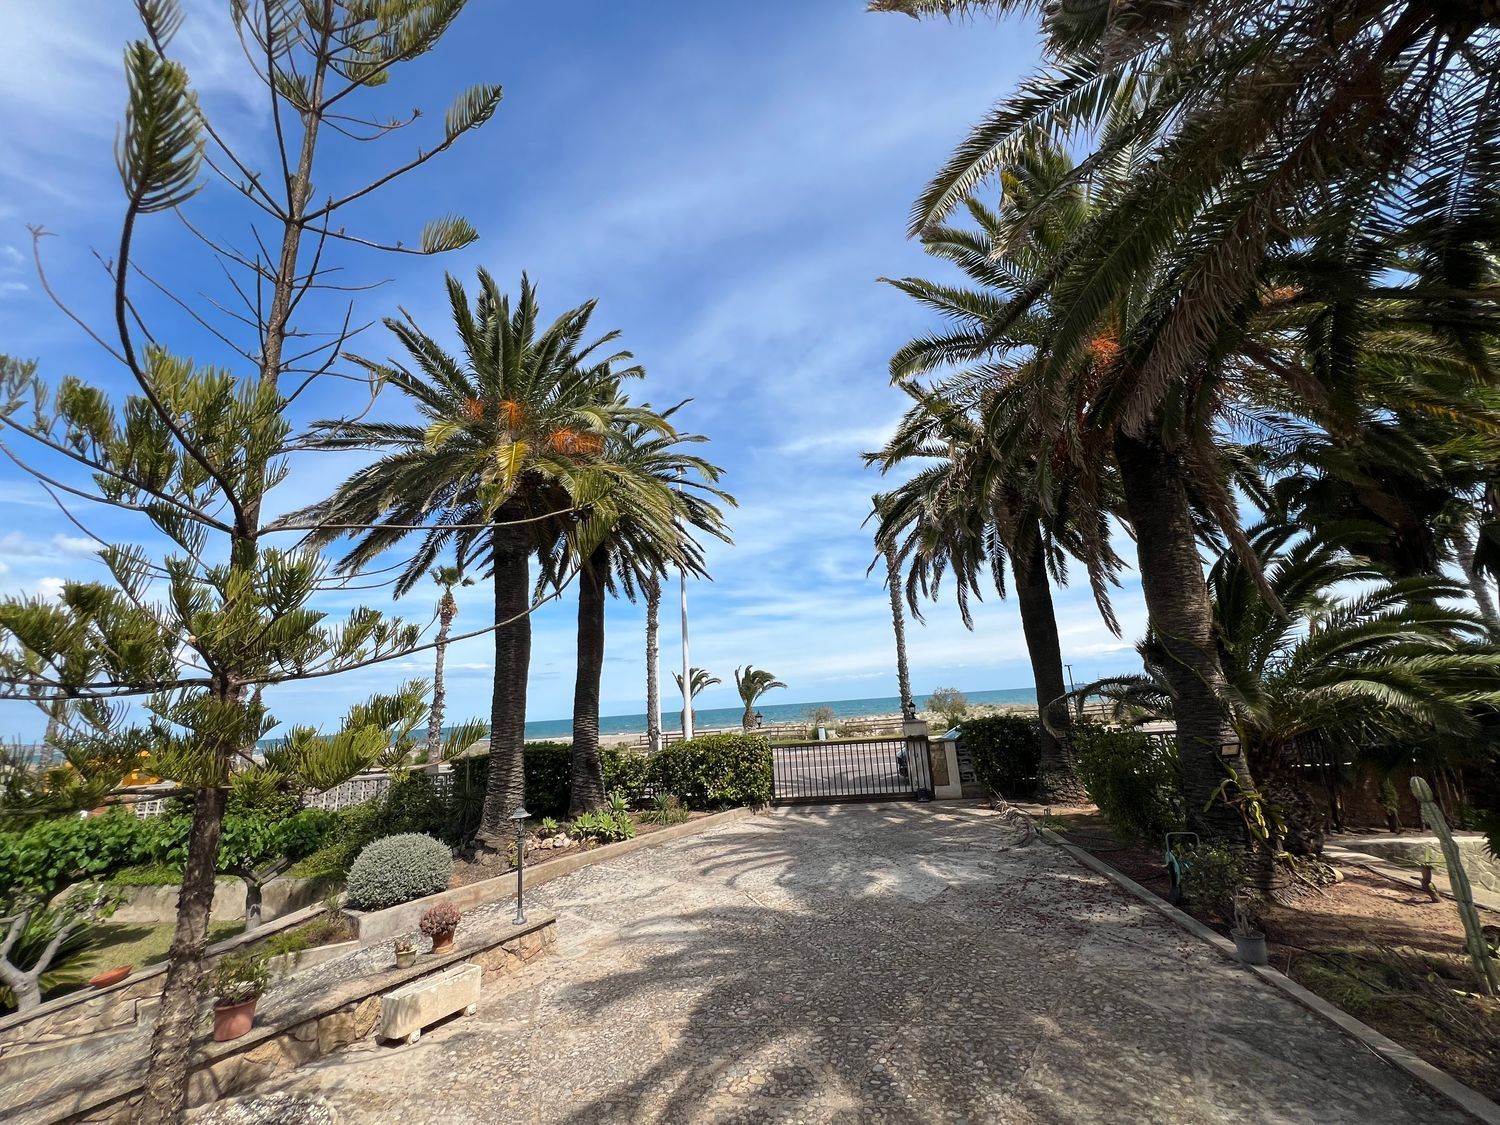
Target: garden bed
1377 947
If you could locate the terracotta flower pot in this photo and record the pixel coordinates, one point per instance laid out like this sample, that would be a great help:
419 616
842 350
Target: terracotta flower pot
110 976
233 1020
442 942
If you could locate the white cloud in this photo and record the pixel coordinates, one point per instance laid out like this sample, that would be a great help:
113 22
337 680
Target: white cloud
75 545
50 588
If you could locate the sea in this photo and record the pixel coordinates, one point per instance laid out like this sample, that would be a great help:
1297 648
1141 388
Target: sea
711 718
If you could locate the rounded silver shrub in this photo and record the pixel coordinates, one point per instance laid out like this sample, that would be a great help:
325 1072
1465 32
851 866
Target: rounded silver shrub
397 869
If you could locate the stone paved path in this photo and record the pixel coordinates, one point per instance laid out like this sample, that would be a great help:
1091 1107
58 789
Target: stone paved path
869 963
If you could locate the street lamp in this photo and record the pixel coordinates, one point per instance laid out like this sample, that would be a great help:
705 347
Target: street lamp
519 816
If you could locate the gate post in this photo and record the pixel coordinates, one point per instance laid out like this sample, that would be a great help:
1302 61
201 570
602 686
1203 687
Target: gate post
918 758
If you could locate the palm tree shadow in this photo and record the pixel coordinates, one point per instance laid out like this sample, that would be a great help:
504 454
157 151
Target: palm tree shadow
844 983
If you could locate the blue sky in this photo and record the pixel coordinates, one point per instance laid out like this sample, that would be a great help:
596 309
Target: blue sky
727 180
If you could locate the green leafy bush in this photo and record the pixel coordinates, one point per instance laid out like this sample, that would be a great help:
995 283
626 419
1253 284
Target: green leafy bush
950 703
717 771
1004 751
1210 877
51 854
397 869
626 771
1132 778
411 804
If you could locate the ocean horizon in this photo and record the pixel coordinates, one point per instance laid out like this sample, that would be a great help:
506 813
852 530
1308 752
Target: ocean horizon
710 718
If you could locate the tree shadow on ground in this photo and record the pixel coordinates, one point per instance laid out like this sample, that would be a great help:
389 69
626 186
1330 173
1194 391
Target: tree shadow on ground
907 971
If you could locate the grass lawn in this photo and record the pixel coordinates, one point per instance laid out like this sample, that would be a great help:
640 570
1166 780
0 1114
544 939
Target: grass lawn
143 944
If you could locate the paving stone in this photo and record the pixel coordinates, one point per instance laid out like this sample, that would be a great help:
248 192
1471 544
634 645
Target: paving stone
901 963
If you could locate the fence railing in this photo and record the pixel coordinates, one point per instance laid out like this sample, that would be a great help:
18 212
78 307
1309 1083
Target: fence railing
830 771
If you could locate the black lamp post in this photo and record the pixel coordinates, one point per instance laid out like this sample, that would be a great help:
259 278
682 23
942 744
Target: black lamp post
519 816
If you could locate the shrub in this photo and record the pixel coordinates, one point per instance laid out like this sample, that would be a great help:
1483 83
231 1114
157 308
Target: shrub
626 771
1004 752
548 773
1132 778
817 717
1210 877
411 804
440 918
240 977
397 869
51 854
950 703
716 771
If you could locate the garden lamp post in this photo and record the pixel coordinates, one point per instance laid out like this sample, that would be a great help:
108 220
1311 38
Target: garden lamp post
519 816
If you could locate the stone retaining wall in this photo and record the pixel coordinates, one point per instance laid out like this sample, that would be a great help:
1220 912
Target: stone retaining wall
346 1015
132 1001
156 905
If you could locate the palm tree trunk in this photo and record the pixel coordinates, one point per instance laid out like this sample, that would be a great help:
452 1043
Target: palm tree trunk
653 663
446 610
1182 619
898 622
1463 547
586 788
505 790
1057 775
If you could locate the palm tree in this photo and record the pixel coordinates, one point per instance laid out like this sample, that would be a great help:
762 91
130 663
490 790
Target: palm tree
446 577
1256 117
639 521
752 683
698 680
1343 663
510 437
651 587
972 509
971 513
898 626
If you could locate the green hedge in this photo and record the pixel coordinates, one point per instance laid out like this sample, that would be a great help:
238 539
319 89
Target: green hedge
1132 778
1004 751
717 771
51 854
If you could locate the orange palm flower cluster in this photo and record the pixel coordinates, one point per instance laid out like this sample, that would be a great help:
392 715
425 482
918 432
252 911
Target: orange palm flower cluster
572 443
1104 349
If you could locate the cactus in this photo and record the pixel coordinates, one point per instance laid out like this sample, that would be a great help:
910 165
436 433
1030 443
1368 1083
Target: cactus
1458 880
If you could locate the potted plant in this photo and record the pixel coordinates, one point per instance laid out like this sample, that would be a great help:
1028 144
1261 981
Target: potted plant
239 981
110 976
1249 941
406 953
439 923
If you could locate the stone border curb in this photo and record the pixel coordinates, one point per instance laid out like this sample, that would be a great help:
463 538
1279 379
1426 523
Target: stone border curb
1441 1083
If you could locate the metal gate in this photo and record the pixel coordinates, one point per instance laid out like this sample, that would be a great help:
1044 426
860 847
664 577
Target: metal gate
864 769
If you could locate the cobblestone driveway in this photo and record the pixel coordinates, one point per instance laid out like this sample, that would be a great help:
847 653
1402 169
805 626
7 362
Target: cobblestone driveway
868 963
